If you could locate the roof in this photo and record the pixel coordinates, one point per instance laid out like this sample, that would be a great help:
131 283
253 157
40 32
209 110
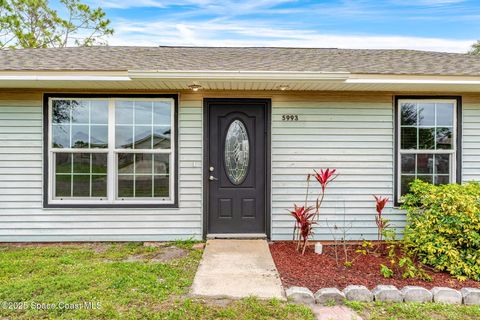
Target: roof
357 61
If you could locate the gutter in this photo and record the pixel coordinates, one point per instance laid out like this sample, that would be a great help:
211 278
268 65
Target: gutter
61 78
409 81
238 75
221 75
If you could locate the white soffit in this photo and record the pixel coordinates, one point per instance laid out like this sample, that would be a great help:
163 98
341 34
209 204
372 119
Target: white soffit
236 80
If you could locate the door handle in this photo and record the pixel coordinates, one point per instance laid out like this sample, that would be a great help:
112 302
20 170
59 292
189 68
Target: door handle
212 178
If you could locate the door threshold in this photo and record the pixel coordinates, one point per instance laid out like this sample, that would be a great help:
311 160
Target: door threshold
236 236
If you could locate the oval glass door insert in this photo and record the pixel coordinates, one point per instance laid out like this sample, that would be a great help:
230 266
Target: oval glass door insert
237 154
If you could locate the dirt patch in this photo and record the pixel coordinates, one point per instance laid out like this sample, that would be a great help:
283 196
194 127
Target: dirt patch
316 271
156 244
165 255
100 247
198 246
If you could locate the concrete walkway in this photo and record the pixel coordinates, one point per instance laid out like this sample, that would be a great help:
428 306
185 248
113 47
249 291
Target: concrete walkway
237 269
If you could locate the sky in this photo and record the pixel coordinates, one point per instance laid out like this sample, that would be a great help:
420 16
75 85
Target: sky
437 25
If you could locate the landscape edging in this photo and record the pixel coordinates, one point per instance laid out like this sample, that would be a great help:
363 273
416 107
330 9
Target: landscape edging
466 296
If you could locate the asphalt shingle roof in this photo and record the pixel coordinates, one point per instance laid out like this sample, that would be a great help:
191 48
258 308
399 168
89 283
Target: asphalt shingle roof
246 59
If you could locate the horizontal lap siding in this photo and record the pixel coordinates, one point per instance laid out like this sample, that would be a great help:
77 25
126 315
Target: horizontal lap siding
356 138
22 217
471 142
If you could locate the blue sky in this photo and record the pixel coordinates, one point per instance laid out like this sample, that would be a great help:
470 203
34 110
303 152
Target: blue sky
441 25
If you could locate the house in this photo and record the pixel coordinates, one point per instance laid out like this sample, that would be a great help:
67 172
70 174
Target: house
163 143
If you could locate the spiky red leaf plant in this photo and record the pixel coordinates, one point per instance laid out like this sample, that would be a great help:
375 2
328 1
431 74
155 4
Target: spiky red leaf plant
382 223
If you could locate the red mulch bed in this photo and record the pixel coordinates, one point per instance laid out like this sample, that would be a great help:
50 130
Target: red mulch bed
316 271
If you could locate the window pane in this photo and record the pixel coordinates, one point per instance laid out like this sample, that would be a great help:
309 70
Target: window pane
442 180
143 137
143 163
442 162
124 137
61 111
99 137
426 114
426 178
424 163
162 113
81 185
99 112
83 166
161 137
409 138
161 186
63 163
99 163
81 163
445 114
99 186
125 163
143 186
61 136
80 111
125 186
405 184
408 114
161 163
79 123
124 112
444 138
143 113
80 136
408 163
426 138
63 185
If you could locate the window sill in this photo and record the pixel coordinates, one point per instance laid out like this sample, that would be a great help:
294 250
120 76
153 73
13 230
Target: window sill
112 206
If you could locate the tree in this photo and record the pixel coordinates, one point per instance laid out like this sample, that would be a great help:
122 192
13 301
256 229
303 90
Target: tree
34 24
475 48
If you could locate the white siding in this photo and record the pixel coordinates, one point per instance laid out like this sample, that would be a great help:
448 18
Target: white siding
351 133
22 217
356 138
471 142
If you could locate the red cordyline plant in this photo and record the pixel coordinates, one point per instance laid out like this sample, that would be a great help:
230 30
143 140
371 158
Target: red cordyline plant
306 216
382 223
303 226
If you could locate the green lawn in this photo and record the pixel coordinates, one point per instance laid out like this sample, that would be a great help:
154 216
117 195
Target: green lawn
120 280
123 281
415 311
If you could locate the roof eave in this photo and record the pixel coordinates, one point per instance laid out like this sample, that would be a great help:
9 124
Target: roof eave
237 75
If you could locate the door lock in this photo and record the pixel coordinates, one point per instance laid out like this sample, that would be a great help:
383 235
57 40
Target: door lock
212 178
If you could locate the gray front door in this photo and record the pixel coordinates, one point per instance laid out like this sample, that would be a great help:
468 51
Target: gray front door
236 166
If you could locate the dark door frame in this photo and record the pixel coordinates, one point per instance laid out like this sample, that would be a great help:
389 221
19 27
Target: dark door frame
207 102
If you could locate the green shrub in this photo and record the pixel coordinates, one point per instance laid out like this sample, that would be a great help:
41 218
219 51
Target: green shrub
443 227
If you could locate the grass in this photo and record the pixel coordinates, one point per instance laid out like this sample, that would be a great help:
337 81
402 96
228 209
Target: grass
414 311
39 282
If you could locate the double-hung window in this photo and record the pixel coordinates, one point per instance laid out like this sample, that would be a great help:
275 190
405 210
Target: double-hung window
426 141
110 150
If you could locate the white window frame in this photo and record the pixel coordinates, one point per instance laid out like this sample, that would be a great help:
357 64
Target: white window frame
452 152
112 151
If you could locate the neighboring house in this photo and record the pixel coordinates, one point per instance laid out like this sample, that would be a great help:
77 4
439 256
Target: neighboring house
163 143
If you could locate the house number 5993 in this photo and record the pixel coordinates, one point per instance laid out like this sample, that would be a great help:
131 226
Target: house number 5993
290 117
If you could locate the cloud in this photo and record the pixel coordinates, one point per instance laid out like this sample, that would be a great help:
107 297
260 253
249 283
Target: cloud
156 33
211 6
289 23
437 2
